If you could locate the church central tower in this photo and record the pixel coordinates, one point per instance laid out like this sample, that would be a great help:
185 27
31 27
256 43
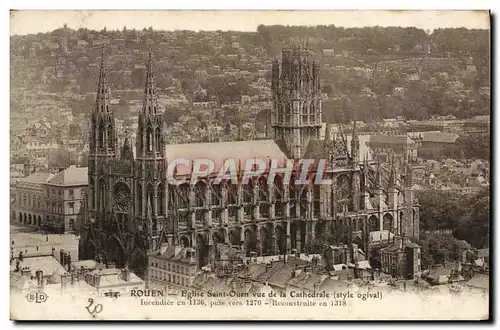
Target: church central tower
296 112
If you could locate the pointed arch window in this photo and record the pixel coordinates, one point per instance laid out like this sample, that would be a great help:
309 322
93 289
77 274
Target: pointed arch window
150 200
110 140
102 195
101 136
158 139
139 139
139 199
149 139
161 202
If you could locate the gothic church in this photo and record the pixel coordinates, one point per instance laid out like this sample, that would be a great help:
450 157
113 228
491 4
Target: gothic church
133 211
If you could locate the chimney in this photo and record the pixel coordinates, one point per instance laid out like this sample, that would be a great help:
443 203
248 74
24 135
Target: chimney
39 277
97 279
68 261
26 271
354 253
126 274
53 251
64 278
81 274
61 257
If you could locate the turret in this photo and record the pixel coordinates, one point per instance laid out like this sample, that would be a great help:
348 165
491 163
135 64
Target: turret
392 188
354 147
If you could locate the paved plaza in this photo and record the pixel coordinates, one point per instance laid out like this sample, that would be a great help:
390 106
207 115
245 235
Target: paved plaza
40 243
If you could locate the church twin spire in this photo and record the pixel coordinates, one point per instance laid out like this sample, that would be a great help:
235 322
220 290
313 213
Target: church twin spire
150 141
150 99
103 96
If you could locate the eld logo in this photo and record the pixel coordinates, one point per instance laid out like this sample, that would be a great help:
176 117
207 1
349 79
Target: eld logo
37 297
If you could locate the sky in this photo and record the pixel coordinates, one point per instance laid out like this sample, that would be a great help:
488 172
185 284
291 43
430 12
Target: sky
26 22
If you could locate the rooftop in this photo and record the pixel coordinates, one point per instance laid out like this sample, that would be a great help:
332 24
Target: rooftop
48 264
37 177
72 176
439 137
391 139
219 152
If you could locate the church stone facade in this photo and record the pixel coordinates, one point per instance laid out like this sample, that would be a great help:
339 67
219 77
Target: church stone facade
133 210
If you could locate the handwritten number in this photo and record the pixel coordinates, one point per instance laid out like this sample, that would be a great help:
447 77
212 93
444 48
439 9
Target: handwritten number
96 310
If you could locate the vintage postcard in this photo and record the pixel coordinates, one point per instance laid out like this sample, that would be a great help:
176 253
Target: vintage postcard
249 165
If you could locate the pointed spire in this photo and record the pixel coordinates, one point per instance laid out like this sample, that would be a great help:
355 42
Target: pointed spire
102 103
150 100
126 152
392 173
354 145
379 174
328 143
328 132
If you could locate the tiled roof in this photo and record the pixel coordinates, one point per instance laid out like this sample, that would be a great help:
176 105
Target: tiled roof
439 137
221 151
391 139
72 176
17 281
179 254
37 177
480 281
89 264
47 264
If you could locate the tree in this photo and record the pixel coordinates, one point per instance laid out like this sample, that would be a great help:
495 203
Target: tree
440 209
60 159
474 225
438 248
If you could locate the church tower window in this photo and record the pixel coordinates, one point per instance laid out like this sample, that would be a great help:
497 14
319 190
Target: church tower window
101 137
149 139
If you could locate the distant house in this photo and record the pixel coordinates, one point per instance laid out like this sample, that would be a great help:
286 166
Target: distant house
328 52
436 141
480 282
443 274
399 145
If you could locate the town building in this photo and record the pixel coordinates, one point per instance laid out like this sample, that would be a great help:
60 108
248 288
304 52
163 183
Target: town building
29 199
176 267
402 259
134 210
433 143
65 195
385 146
52 274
